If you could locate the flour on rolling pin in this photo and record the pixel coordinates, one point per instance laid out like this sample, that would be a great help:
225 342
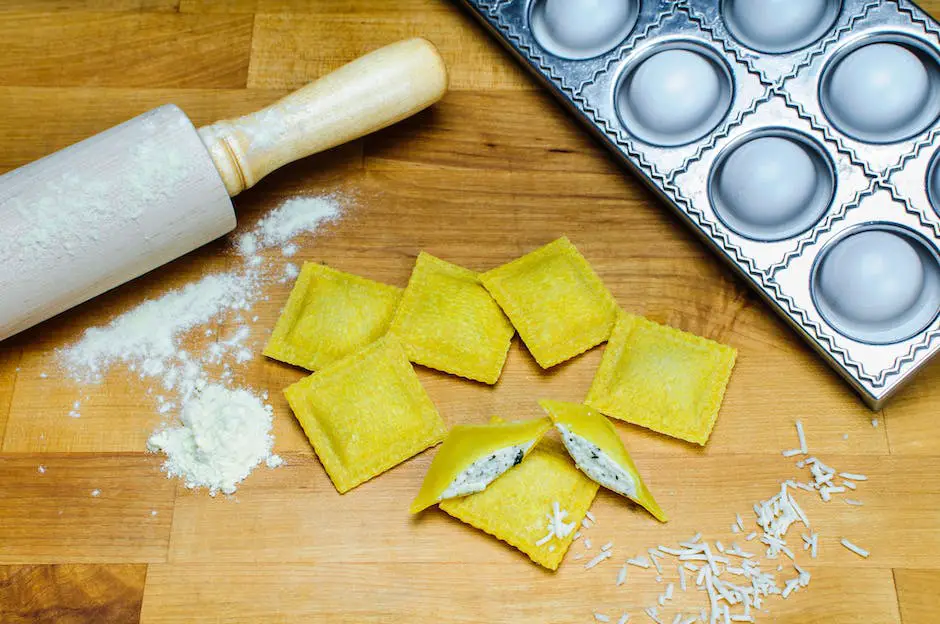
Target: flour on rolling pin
73 214
266 129
108 209
48 234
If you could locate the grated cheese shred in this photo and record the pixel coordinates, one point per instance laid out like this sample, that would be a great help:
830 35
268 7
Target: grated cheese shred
622 575
858 550
606 554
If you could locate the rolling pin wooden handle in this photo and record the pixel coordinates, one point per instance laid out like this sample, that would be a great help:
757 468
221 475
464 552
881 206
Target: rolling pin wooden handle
366 95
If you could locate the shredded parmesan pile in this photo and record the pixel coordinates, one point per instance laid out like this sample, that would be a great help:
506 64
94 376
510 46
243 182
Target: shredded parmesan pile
736 584
557 527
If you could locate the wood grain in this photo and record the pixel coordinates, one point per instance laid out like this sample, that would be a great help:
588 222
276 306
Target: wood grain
83 509
911 429
491 130
492 171
289 50
348 593
917 595
124 49
71 594
361 7
42 6
10 355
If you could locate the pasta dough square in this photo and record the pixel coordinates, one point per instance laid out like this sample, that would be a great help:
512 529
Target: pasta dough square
662 378
555 300
449 322
329 315
366 413
514 507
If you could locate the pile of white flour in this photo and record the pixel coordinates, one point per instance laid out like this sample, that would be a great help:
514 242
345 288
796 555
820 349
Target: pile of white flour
223 433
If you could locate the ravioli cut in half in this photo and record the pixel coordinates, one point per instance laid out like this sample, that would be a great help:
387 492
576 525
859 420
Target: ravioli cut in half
599 453
473 456
520 507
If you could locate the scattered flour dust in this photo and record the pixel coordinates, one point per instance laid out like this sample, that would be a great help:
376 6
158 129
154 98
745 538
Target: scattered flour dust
147 338
293 217
149 341
223 434
290 273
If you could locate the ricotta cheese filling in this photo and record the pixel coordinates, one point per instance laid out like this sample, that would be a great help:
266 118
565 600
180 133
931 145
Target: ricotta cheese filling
597 464
484 471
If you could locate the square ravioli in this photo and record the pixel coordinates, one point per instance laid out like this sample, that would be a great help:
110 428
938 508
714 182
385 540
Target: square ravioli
366 413
515 507
329 315
662 378
555 300
449 322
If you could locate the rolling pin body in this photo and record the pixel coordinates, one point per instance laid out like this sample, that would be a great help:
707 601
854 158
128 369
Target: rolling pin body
108 209
104 211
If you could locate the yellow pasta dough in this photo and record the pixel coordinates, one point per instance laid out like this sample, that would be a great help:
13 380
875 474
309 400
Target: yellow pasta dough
329 315
366 413
515 508
662 378
599 452
555 300
449 322
473 456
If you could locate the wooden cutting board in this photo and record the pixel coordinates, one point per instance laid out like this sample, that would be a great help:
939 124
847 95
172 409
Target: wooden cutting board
493 171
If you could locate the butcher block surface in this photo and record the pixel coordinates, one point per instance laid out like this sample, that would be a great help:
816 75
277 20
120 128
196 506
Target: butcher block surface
495 170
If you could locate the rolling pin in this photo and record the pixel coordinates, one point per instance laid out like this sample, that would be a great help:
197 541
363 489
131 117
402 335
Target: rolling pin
101 212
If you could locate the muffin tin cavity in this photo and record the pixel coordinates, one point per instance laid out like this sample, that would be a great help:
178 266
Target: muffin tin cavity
883 89
933 182
878 284
675 94
582 29
779 26
772 184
